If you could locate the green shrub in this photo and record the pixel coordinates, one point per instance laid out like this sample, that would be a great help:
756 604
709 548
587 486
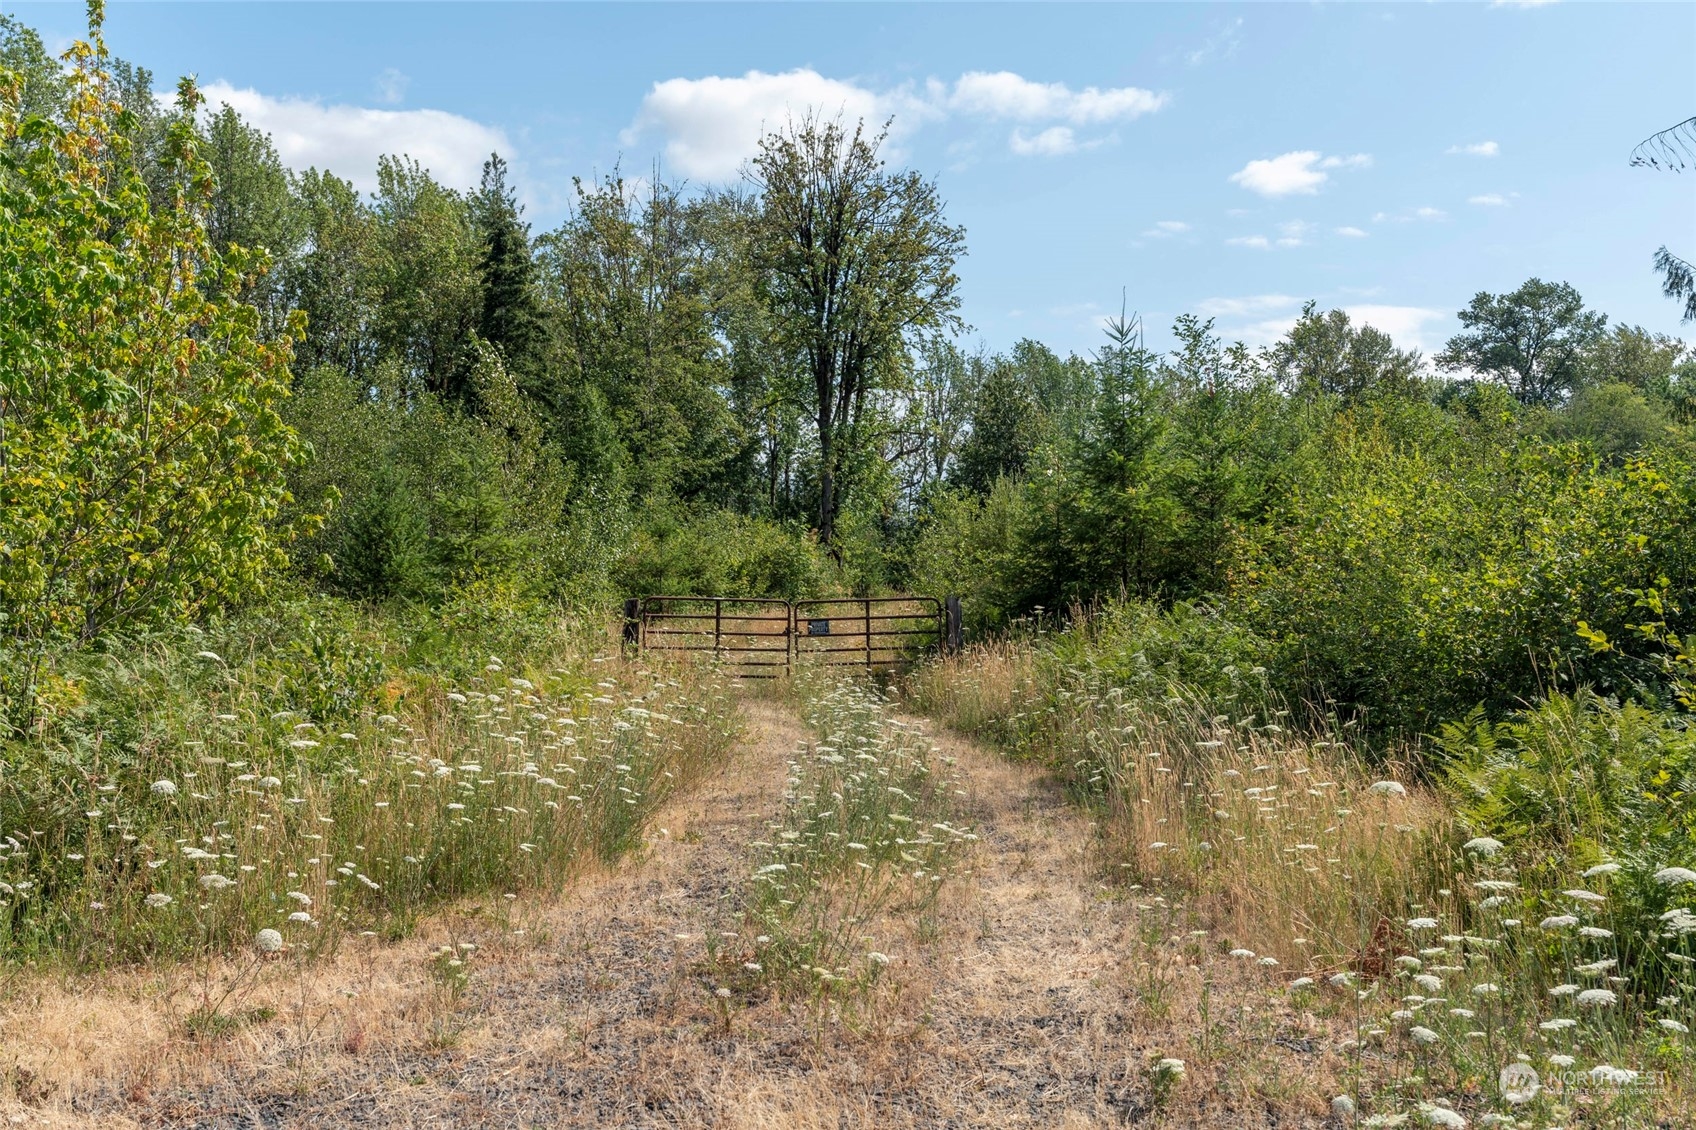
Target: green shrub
720 553
968 545
1415 583
1149 653
430 497
1584 784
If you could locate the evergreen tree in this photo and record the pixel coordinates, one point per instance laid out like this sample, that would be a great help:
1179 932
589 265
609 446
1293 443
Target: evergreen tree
1006 428
511 314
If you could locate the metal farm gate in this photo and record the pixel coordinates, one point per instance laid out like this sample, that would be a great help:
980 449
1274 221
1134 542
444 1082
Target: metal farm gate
763 639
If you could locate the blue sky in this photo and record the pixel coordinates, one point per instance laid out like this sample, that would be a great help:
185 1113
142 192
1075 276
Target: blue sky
1229 160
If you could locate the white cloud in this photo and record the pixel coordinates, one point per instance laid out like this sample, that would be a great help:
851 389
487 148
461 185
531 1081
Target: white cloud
1405 324
1481 149
1165 228
391 86
348 139
1003 94
1430 213
710 126
1351 232
1521 3
1261 319
1051 142
1245 306
1302 171
1258 242
1293 233
1489 200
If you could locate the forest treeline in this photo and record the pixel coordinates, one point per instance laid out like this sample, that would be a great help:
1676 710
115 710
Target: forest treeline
221 378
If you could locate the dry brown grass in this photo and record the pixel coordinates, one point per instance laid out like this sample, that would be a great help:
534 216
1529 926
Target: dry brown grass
1033 996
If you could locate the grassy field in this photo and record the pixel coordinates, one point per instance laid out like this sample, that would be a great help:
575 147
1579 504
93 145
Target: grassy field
593 891
1456 981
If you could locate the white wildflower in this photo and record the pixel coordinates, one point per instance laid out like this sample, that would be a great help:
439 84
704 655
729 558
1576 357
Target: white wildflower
1597 998
164 788
1435 1115
1484 845
268 941
1617 1076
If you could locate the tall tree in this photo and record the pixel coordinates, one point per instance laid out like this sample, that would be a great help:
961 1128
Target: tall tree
854 262
1007 425
633 338
1326 354
1531 341
142 455
511 315
41 84
252 207
432 295
335 279
1123 511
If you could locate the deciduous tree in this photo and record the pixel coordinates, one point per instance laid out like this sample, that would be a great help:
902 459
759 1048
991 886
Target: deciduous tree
854 261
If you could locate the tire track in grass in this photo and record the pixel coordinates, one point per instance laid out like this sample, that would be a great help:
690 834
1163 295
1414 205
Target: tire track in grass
1031 996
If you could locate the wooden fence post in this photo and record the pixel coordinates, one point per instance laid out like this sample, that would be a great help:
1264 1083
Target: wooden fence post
954 635
632 625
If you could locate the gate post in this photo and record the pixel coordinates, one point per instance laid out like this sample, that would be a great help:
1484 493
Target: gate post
868 633
954 629
632 624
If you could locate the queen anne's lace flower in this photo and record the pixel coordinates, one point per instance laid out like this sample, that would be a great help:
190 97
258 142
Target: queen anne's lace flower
268 941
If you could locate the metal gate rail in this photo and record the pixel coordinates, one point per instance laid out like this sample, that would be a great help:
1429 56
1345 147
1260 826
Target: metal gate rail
762 639
749 636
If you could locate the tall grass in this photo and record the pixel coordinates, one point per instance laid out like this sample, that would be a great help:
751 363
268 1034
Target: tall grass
1363 896
241 809
867 830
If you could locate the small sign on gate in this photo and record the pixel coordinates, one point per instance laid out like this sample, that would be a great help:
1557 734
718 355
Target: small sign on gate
818 627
